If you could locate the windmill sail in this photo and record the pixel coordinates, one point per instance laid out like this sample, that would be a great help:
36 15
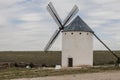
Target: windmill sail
57 19
52 39
72 13
54 14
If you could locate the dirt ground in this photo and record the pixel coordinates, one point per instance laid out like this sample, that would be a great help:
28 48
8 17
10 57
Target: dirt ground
112 75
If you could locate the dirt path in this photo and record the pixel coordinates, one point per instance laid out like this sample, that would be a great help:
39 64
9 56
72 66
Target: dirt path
113 75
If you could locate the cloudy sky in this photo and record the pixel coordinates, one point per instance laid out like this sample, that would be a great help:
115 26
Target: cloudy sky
27 25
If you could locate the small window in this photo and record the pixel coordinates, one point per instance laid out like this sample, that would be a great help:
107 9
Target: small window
80 33
72 33
65 33
87 33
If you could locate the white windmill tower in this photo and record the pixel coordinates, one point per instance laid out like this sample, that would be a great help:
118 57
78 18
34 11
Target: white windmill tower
77 44
77 39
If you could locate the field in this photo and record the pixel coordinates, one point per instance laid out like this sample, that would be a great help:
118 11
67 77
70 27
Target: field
52 58
107 75
35 57
104 57
14 73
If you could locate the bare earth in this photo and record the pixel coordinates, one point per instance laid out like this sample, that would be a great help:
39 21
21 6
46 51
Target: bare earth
113 75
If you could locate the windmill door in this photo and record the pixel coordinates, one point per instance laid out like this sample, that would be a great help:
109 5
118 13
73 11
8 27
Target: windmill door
70 62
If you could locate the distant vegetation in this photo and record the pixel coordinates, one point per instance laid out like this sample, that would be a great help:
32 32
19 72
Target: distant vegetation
104 57
37 58
51 58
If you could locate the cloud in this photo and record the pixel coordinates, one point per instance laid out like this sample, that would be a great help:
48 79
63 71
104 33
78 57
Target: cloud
28 24
110 35
104 15
105 1
7 3
2 20
31 17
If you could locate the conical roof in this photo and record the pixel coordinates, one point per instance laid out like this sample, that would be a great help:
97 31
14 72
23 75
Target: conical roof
78 25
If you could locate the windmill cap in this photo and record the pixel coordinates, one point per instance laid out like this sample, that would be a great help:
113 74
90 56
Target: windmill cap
78 25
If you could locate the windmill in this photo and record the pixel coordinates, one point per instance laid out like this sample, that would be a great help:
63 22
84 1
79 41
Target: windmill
61 24
77 39
77 44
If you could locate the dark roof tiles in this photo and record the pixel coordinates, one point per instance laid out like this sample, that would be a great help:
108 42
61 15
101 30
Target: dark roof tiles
78 25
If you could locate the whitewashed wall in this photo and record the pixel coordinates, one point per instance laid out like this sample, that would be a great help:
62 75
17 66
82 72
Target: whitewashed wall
78 46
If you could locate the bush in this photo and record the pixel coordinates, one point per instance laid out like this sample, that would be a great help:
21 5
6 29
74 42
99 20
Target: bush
31 65
15 64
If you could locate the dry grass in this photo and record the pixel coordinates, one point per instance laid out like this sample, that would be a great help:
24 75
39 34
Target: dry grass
12 73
